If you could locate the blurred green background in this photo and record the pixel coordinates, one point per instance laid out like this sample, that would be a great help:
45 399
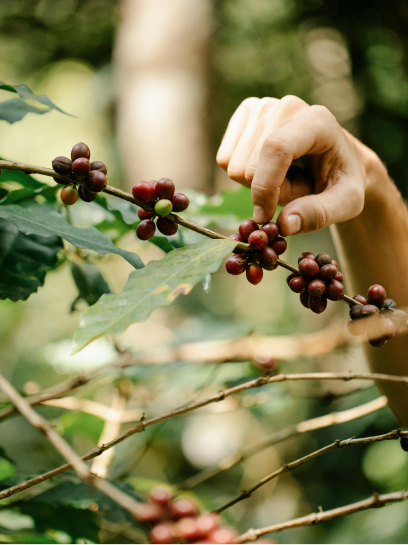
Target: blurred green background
349 56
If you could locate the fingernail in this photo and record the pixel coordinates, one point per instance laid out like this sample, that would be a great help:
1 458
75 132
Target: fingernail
259 214
294 224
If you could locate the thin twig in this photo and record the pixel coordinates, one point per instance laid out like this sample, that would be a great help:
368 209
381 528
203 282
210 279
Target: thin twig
375 501
261 381
109 414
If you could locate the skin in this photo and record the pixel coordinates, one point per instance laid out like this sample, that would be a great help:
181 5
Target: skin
342 184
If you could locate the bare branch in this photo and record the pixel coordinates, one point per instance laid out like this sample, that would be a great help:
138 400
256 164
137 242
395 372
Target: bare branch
110 414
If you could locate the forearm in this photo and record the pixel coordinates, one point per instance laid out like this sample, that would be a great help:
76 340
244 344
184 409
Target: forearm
373 249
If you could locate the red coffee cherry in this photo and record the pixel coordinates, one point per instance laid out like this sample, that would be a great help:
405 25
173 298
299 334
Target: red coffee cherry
143 191
160 495
62 165
236 264
258 239
290 276
223 535
80 150
334 290
149 513
316 287
306 254
298 284
318 304
323 259
98 165
207 524
254 273
339 277
238 238
327 272
267 258
164 189
180 202
95 181
86 195
143 215
81 166
183 507
162 533
69 195
145 229
167 226
376 295
272 230
360 299
368 310
186 529
305 299
334 262
308 268
279 245
246 228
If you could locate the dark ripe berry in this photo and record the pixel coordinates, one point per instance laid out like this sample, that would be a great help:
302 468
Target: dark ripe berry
381 330
290 276
246 228
306 254
59 181
143 191
207 524
404 443
163 207
389 303
323 259
98 165
80 150
238 238
145 229
376 295
254 273
167 226
355 312
339 277
186 529
334 290
316 287
267 258
308 268
164 188
357 327
149 513
318 304
378 342
272 230
69 195
334 262
95 181
360 299
180 202
160 495
368 310
162 533
223 535
258 239
143 215
236 264
305 299
62 165
183 507
279 245
298 284
327 272
81 166
86 195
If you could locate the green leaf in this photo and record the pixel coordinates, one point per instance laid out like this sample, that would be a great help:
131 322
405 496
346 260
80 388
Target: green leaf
16 109
25 93
44 220
24 261
22 186
89 281
156 285
6 470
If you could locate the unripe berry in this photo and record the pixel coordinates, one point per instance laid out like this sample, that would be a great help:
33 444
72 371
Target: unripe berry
254 273
69 195
162 533
86 195
164 189
167 226
160 495
163 207
143 215
389 303
323 259
80 150
258 239
360 299
81 166
339 277
183 507
334 290
98 165
272 230
376 295
327 272
305 299
238 238
246 228
145 229
143 191
180 202
316 287
306 254
236 264
308 268
62 165
267 258
318 304
290 276
95 181
279 245
298 284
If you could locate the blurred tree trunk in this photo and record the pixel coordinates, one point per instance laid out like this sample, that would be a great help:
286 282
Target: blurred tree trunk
161 64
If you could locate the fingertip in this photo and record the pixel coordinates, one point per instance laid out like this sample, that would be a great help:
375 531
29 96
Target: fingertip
259 214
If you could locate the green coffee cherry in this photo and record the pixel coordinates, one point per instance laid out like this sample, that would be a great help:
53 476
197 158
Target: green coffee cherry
163 207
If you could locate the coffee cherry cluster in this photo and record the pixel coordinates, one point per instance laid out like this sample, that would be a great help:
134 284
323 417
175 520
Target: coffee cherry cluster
391 320
88 179
179 520
319 279
265 245
163 200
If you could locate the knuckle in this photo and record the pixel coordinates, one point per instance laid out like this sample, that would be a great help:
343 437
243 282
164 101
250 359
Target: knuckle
267 102
321 113
236 171
292 101
274 146
260 191
250 102
322 217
